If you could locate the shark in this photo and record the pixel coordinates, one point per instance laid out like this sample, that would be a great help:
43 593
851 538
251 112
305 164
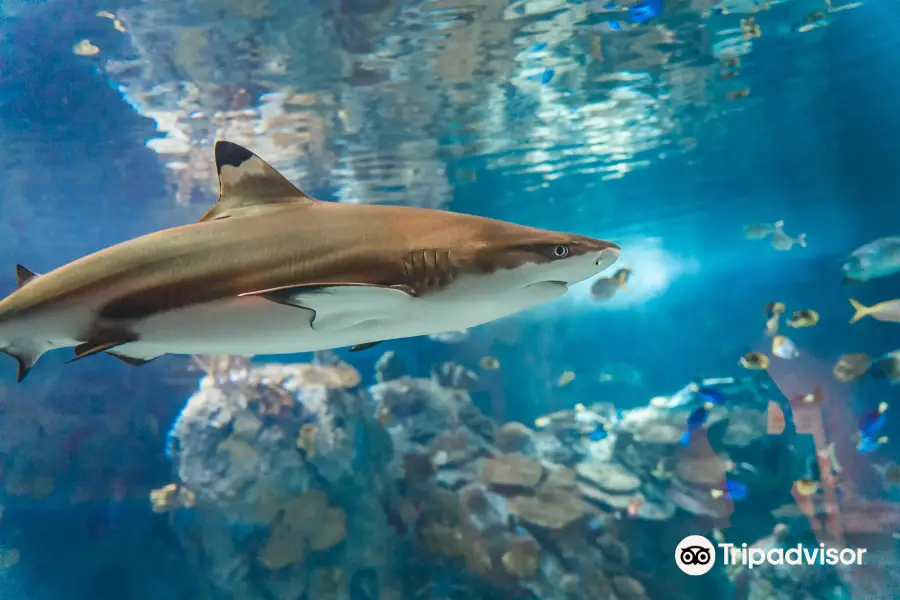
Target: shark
271 270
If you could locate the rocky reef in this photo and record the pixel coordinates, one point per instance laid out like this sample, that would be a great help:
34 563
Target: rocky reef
294 481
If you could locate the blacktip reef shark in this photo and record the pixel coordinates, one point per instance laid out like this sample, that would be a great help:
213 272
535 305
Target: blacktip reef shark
270 270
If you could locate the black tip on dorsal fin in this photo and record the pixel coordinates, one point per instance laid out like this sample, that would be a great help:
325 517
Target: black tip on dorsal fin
24 275
247 182
229 154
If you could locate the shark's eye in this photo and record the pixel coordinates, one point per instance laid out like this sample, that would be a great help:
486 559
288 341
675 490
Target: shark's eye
561 251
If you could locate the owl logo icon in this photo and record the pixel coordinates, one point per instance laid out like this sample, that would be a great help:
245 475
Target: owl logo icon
695 555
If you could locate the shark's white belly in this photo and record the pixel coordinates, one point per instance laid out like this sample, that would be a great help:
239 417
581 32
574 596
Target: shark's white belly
346 317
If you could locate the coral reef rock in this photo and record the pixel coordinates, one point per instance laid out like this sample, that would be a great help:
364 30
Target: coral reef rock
267 505
304 485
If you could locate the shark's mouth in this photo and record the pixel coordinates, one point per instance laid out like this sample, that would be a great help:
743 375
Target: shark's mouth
560 286
608 256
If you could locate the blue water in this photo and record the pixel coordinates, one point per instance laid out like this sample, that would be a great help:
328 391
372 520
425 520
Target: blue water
813 144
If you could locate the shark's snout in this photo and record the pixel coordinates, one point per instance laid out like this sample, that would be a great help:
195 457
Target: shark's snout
590 256
608 255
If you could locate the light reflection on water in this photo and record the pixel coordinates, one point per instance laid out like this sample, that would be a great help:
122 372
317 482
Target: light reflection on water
375 99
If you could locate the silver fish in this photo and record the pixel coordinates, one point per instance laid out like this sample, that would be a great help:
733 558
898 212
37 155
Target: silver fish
782 241
880 258
605 288
757 231
883 311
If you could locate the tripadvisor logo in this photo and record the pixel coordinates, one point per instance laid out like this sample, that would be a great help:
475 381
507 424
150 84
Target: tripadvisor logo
696 555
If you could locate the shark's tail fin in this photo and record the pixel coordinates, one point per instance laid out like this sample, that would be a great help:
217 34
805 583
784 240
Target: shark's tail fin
861 311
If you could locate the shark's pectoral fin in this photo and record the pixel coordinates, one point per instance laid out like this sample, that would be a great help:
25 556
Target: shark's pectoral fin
341 305
91 348
25 359
24 275
247 183
357 290
126 356
103 339
366 346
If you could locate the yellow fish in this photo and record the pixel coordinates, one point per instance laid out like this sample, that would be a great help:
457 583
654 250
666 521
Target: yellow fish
883 311
803 318
773 311
566 378
754 361
772 325
489 363
807 487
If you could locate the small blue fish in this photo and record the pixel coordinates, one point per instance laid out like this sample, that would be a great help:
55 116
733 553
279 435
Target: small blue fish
869 428
736 490
599 433
695 421
539 46
732 490
547 76
645 11
873 422
867 445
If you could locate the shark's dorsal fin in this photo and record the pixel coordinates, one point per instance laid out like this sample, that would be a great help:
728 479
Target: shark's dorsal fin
24 275
247 182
